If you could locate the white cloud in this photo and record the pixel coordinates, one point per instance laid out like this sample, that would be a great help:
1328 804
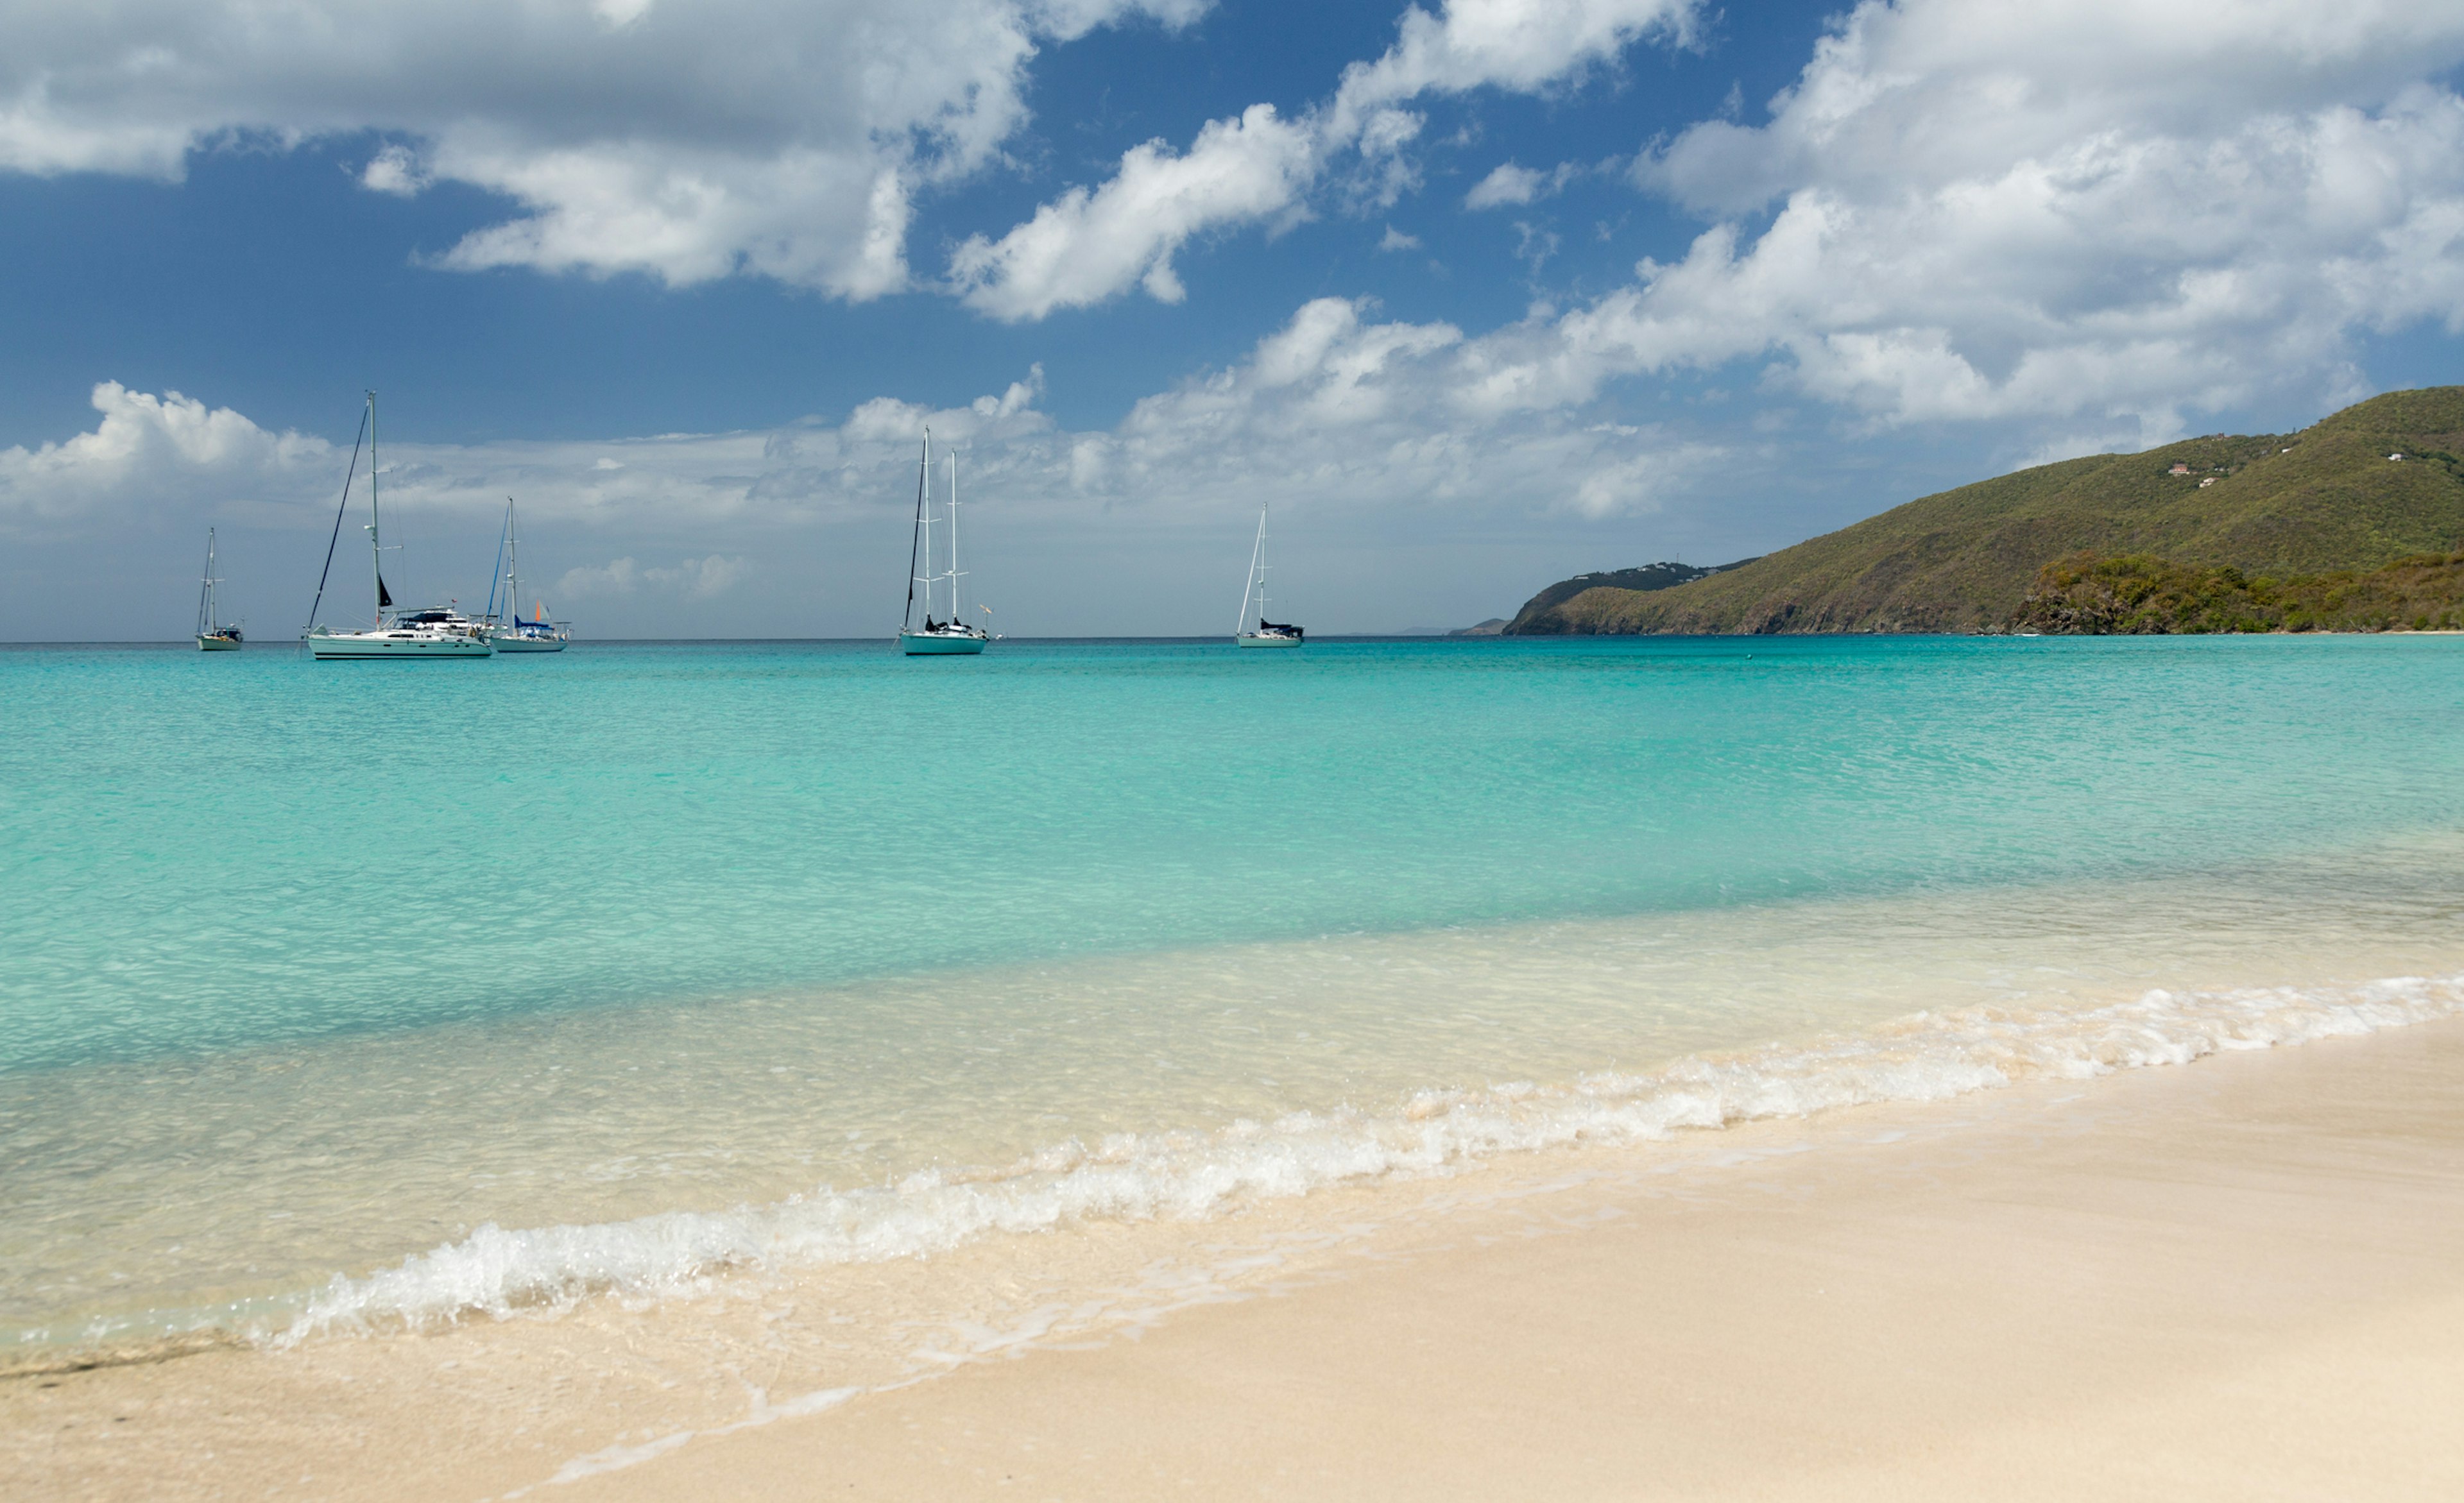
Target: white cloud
145 445
616 576
1526 46
1511 184
1336 409
2005 210
620 13
1087 245
692 579
1395 240
1370 433
1508 183
1642 481
394 170
775 136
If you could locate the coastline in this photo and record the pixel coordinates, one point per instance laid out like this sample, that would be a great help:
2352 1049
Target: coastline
2234 1280
2121 1280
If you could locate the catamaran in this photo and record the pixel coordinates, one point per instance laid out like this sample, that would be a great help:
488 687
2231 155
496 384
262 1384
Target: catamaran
411 634
1269 634
510 632
212 638
937 637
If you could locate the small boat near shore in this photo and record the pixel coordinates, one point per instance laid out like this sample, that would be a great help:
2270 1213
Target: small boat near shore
1267 633
938 637
210 637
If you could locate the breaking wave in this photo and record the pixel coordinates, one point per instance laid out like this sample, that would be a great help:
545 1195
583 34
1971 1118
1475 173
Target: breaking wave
1923 1057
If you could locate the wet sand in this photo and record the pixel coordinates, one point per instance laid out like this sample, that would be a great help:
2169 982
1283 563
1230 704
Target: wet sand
2242 1278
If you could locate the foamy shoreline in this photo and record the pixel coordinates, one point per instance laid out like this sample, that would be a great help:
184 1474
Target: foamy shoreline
2233 1281
1190 1176
615 1384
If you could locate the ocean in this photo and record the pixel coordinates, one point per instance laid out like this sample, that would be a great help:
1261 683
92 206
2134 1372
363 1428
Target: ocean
361 997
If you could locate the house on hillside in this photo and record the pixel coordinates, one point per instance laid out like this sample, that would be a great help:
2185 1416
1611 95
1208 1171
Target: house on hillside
2179 470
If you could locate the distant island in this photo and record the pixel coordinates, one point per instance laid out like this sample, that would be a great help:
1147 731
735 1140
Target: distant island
2353 524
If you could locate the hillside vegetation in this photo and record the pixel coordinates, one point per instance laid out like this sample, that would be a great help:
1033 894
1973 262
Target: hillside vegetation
1663 575
2325 502
2153 596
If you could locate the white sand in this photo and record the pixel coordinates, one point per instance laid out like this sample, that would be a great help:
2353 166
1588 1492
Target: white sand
2238 1278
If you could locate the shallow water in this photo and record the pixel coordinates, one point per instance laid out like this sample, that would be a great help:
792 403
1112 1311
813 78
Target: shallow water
614 969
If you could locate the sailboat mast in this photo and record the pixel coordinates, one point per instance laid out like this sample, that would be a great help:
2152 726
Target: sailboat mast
954 535
1249 581
206 594
376 539
913 538
1262 568
513 563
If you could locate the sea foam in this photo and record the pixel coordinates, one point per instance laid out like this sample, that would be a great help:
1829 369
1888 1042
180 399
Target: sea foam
1197 1174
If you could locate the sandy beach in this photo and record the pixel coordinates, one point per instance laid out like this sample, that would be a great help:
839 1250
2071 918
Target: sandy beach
2234 1279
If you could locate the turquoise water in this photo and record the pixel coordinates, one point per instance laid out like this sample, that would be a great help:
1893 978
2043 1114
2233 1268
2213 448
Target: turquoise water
206 853
393 951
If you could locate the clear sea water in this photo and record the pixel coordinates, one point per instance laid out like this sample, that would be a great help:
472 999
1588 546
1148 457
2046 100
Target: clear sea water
351 993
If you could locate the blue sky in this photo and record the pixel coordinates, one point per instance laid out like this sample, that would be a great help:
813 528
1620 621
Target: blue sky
1478 294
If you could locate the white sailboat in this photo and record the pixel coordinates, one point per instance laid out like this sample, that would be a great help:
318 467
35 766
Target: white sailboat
210 637
1267 633
408 634
509 631
952 636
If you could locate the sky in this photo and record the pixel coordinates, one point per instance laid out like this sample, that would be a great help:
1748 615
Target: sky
1477 296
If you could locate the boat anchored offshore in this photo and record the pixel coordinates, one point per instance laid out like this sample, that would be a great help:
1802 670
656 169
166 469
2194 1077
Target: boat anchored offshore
950 637
212 638
435 633
1269 634
508 632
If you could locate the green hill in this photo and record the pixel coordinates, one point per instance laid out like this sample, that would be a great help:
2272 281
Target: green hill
1663 575
2325 501
2131 596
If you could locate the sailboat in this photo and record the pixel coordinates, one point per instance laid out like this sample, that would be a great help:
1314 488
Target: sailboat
510 632
935 638
212 638
435 633
1269 634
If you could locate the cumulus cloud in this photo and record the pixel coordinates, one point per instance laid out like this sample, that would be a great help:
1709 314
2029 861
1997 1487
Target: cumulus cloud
394 170
146 446
1991 209
785 138
1338 408
1527 46
1085 245
1395 240
1090 245
1511 184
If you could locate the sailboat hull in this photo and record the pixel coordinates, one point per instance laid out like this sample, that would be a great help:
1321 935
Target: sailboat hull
923 645
1254 640
395 646
512 643
207 643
